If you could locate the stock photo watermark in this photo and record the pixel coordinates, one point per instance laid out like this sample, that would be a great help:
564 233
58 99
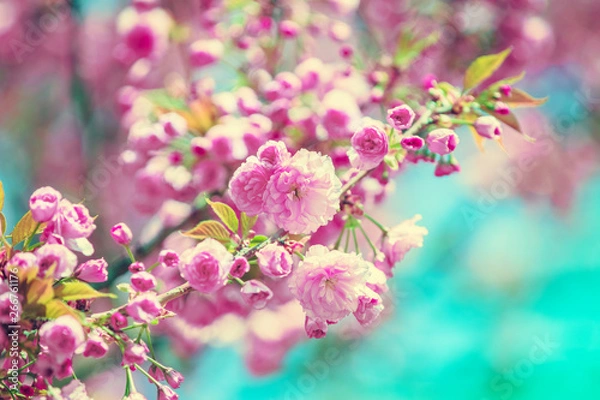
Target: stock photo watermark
36 31
509 380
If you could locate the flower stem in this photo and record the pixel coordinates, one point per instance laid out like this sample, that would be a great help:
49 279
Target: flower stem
377 224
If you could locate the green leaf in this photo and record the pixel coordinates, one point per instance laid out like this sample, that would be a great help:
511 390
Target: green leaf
1 196
258 239
508 81
24 228
409 48
520 98
225 214
247 223
208 229
57 308
511 120
40 291
483 67
78 290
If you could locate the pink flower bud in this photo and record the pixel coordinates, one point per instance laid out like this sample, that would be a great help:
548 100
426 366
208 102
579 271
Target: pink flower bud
239 267
168 258
95 346
274 261
121 234
173 124
143 281
43 203
442 141
447 168
206 52
135 354
256 294
368 309
174 378
144 308
166 393
346 51
369 147
118 321
136 267
93 271
501 108
401 117
156 373
488 127
61 337
289 29
200 146
315 328
412 143
506 90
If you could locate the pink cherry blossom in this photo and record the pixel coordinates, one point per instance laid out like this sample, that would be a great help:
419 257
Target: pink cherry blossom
370 145
274 261
93 271
303 194
144 308
329 284
399 241
61 337
206 266
43 203
442 141
57 255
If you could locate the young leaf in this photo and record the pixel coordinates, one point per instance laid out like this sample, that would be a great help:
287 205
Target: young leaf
511 120
483 67
225 214
56 308
258 239
520 98
24 228
479 141
77 290
247 223
1 196
40 291
208 229
409 49
2 224
508 81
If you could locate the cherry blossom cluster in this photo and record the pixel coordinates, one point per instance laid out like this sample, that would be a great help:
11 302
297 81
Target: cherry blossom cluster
272 181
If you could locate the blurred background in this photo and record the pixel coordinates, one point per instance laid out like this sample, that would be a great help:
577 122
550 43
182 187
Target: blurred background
500 303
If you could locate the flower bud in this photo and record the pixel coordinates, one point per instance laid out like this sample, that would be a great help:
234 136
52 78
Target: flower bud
43 203
95 346
442 141
488 127
239 267
369 147
501 108
206 52
135 354
137 266
174 378
447 168
93 271
166 393
288 29
121 234
256 294
506 90
315 328
274 261
401 117
143 281
169 258
412 143
118 321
